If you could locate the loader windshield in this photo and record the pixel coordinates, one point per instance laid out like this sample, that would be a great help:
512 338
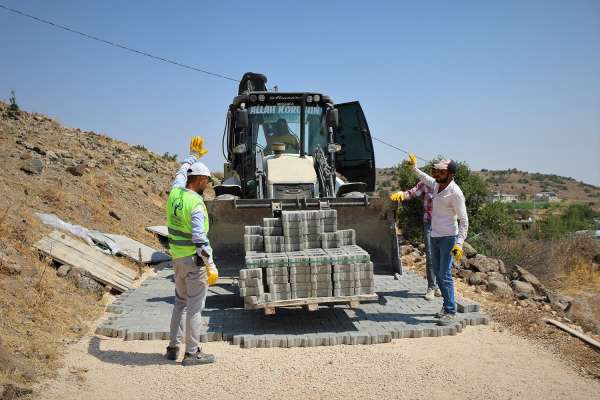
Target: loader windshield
281 124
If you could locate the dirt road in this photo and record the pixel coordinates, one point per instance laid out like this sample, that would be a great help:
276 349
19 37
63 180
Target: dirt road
478 363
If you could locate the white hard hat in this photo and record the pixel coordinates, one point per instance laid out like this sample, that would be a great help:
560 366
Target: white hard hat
198 168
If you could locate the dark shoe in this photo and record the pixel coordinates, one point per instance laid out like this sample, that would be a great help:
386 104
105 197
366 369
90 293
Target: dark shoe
197 359
441 313
447 319
172 353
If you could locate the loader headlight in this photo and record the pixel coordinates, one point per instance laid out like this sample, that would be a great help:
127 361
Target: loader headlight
316 98
261 97
309 99
253 98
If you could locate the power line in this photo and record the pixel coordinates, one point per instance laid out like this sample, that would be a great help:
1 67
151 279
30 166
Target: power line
143 53
121 46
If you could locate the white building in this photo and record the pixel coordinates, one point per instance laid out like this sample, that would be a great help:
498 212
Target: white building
503 198
547 196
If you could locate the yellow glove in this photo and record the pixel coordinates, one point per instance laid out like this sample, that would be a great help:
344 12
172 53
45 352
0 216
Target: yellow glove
412 160
457 251
197 146
212 275
398 196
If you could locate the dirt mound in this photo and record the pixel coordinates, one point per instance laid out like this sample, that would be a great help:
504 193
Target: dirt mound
86 179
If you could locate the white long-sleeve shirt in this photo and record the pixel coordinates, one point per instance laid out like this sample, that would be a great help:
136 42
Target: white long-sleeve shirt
199 236
448 208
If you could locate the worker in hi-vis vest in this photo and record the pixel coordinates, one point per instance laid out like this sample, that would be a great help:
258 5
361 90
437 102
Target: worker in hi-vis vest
195 270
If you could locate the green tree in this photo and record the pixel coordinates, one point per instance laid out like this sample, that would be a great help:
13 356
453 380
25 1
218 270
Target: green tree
496 218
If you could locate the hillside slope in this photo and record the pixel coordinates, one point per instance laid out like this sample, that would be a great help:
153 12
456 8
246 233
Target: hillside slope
85 179
520 183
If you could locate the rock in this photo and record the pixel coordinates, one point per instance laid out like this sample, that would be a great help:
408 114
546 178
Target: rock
13 392
559 302
464 273
469 251
83 281
25 156
482 263
477 278
39 150
406 249
421 247
33 166
51 155
596 258
114 215
63 270
522 288
77 170
25 144
499 288
527 276
495 276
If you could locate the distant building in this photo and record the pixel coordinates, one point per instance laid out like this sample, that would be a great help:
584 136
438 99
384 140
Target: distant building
547 196
503 198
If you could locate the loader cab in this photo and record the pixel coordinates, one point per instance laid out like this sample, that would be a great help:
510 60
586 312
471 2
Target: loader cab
271 139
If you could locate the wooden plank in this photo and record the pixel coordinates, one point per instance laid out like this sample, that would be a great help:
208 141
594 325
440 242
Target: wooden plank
159 230
58 249
311 302
131 248
67 255
573 332
95 255
61 247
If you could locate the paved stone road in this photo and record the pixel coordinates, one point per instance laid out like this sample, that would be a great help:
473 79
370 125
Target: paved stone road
401 311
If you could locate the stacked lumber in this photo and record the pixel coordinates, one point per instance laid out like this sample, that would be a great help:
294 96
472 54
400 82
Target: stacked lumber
75 253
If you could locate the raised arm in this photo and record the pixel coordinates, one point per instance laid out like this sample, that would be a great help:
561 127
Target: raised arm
181 175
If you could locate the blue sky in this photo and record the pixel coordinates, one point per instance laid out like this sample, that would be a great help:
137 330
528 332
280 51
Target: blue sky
504 84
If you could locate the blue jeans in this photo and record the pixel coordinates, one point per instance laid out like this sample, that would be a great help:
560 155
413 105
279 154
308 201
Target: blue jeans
429 267
441 260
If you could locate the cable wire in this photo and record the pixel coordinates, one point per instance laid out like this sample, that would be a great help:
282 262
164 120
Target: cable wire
158 58
123 47
397 148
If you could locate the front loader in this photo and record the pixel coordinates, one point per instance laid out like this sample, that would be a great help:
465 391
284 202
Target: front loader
295 151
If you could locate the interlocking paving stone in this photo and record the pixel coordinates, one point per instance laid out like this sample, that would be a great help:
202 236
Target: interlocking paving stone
400 312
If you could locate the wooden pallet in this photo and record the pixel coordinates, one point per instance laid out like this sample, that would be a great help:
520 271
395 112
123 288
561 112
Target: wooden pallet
312 303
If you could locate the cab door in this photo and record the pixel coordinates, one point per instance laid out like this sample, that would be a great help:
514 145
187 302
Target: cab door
356 159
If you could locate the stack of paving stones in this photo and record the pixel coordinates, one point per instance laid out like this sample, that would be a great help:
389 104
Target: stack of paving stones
302 254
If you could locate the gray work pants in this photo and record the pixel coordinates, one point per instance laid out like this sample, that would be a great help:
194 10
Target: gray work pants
191 287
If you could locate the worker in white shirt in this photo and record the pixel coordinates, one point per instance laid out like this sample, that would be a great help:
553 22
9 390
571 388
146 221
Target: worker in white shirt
449 225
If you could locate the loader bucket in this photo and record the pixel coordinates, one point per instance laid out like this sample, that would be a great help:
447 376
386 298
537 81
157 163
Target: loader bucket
371 218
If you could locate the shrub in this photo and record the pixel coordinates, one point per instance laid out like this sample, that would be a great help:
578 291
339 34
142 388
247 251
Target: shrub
575 217
140 147
494 217
170 157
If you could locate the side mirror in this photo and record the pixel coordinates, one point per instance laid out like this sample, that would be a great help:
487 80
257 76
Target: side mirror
332 118
241 119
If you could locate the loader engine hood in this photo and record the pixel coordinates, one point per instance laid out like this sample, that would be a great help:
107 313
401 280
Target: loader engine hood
290 176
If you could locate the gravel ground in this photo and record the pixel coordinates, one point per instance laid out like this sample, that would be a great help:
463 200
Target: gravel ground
478 363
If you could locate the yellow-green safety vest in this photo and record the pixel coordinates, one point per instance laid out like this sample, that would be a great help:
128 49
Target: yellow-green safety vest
180 204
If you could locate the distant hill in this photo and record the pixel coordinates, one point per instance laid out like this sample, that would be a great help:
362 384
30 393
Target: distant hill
520 183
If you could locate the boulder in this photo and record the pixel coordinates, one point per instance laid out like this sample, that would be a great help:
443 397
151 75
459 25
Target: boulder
477 278
527 276
33 166
499 288
63 270
495 276
82 280
522 288
77 170
51 155
559 302
485 264
469 251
